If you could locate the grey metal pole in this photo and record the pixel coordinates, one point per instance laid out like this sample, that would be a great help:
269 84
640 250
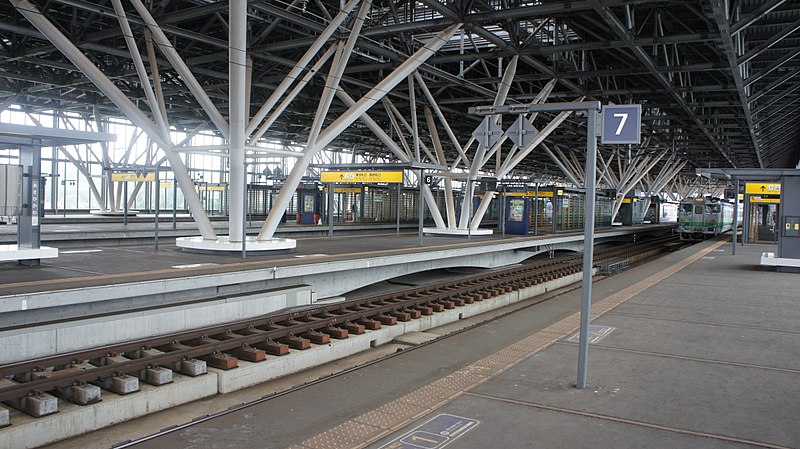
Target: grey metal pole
468 197
503 213
746 216
64 194
588 246
399 195
735 217
361 206
536 211
174 204
421 207
125 213
244 209
158 203
247 212
330 210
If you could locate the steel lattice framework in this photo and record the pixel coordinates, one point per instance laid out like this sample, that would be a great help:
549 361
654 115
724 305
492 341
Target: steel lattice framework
716 78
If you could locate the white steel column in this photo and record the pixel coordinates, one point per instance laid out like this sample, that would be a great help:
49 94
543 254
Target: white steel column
237 69
479 159
136 116
440 116
448 184
346 119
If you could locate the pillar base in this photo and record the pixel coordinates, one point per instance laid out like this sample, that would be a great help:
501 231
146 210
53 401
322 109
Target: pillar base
457 232
223 245
10 253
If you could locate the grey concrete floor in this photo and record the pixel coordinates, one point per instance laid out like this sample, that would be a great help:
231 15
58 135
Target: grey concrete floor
707 358
299 415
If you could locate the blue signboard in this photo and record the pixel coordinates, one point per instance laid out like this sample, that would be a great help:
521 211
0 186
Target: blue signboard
435 433
621 124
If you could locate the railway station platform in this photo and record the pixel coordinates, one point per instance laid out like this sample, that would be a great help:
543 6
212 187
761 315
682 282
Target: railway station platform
104 279
697 348
75 231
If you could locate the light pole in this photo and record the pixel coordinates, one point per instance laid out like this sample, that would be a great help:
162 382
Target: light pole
65 183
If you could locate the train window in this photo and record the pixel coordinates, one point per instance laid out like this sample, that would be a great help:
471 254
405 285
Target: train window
686 208
712 208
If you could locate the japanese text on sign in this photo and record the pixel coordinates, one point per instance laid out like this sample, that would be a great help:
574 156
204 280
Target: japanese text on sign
133 177
762 188
362 176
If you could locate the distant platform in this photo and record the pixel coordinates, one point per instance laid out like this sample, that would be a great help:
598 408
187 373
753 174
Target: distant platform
99 213
223 245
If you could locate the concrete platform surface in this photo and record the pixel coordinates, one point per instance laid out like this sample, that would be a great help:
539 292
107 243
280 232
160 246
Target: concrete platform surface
99 265
706 358
703 353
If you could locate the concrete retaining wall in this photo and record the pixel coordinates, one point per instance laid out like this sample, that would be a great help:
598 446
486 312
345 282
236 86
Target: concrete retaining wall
40 341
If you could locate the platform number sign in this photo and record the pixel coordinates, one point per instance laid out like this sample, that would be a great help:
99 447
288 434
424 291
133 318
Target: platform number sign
428 179
621 124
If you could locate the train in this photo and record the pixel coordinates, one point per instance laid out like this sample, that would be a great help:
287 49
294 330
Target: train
702 218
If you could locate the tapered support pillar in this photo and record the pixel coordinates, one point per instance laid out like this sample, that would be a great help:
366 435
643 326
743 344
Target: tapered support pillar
237 68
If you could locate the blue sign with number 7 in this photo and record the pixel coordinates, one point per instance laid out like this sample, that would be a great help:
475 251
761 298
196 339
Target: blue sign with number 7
621 124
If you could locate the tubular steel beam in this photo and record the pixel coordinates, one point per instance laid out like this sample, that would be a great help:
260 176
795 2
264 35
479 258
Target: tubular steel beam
130 110
180 66
297 69
602 9
723 22
345 120
765 45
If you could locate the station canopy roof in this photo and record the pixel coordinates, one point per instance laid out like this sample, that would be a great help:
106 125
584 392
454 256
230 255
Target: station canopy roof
717 86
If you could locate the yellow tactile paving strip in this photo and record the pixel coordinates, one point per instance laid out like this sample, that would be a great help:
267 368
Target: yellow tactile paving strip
376 424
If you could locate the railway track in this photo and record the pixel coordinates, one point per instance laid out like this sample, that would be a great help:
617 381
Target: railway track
73 376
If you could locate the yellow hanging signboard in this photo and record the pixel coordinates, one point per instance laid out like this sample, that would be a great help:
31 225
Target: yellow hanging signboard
762 188
531 194
133 177
362 176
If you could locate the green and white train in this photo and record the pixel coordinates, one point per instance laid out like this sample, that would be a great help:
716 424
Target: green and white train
701 218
